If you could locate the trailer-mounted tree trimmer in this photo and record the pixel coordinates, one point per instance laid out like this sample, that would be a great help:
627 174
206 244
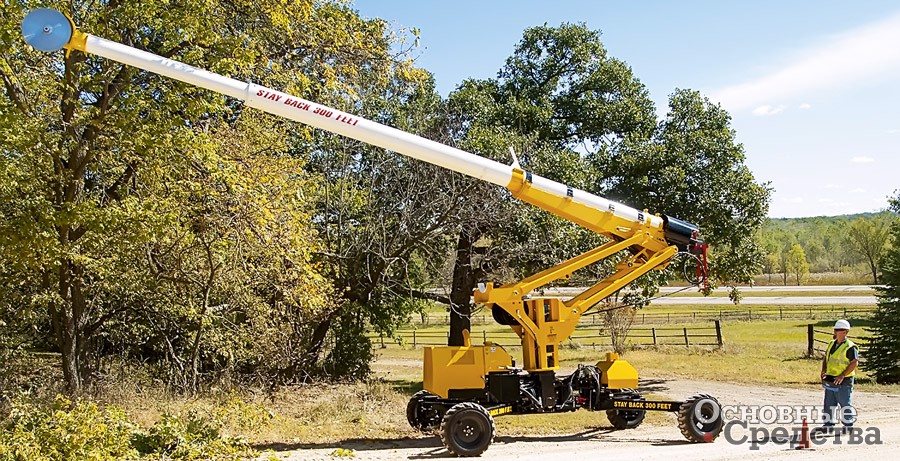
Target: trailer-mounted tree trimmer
465 387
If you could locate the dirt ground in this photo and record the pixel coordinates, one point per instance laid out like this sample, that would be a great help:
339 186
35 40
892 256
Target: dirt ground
881 411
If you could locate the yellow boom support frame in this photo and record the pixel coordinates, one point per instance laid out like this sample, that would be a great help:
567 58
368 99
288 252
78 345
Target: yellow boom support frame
544 323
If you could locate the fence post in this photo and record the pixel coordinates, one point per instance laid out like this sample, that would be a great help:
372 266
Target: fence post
484 336
781 312
845 312
686 342
414 339
669 317
749 314
719 333
653 331
810 340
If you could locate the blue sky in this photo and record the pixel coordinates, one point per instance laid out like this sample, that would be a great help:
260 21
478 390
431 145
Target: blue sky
813 87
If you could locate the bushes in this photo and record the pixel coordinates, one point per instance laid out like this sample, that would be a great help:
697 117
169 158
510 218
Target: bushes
64 430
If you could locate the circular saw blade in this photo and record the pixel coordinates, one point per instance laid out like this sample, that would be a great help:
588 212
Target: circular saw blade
46 30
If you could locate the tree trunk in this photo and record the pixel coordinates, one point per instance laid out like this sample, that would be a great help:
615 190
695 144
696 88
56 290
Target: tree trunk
464 279
874 268
314 347
68 325
195 348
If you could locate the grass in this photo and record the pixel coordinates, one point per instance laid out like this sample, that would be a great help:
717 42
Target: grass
757 352
357 414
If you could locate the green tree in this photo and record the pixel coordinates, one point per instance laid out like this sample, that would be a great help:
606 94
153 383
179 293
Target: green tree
693 169
883 350
870 238
796 263
559 92
93 148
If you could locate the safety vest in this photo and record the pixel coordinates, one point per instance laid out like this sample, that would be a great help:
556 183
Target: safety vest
838 361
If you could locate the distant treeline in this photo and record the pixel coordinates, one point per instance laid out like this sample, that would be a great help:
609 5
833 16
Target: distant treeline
797 247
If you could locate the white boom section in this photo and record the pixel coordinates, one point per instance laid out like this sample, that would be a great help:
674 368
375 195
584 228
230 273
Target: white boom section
352 126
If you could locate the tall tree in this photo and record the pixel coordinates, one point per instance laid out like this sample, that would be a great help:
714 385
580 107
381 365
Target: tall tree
85 138
694 169
590 123
883 350
559 92
796 263
870 238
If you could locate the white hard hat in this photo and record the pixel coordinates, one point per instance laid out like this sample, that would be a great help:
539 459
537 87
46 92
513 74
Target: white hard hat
842 325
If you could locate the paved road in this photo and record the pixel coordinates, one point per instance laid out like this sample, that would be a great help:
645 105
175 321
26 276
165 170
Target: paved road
767 301
847 295
792 288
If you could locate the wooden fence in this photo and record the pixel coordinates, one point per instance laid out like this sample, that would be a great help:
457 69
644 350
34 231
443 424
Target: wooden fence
818 340
663 336
707 315
582 337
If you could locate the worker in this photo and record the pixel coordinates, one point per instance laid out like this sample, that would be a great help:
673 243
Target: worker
838 370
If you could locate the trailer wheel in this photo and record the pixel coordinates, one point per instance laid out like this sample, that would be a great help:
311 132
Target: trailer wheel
627 419
700 418
467 429
421 417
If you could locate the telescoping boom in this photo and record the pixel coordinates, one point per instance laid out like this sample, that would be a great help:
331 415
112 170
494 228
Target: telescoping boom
464 386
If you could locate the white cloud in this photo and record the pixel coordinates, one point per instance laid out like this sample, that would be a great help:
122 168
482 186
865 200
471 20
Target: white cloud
805 106
833 186
893 131
853 56
858 190
792 200
825 200
862 159
767 110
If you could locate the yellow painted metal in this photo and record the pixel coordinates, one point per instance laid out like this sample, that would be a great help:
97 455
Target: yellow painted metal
462 367
603 222
617 373
78 40
546 322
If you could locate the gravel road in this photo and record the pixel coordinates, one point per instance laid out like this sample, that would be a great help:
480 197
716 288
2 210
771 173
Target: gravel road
881 411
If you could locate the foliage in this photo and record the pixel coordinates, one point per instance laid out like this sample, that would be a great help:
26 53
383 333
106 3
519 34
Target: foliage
342 453
618 321
381 218
849 243
146 217
65 430
201 434
883 350
580 117
796 263
694 169
870 239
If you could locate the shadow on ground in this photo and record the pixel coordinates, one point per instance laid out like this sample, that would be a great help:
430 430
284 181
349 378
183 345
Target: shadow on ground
652 385
432 447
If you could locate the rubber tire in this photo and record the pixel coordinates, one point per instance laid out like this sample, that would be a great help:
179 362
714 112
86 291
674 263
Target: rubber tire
627 419
695 430
412 410
464 417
